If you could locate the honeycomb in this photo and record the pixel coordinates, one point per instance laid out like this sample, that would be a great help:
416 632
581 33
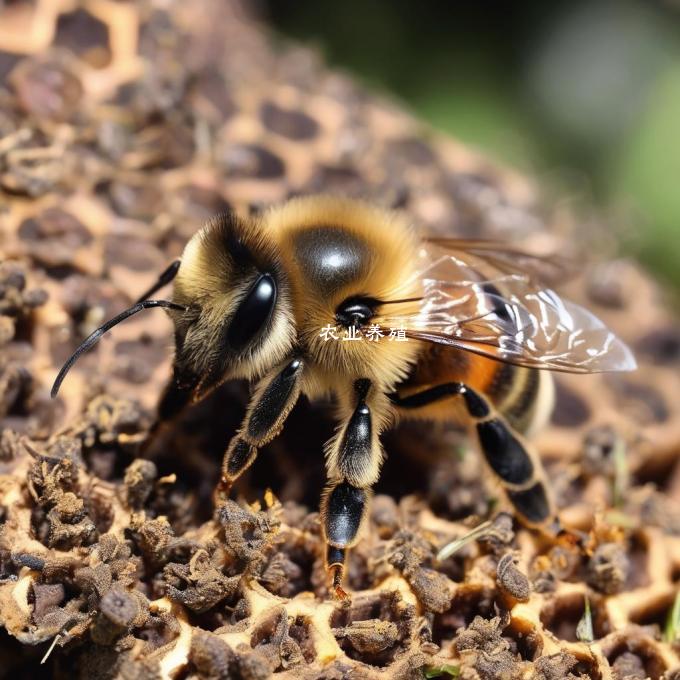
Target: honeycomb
123 127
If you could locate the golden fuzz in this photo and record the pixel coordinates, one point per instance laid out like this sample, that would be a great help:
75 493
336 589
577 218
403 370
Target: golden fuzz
207 279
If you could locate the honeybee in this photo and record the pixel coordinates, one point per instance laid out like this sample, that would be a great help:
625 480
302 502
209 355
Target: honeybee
331 297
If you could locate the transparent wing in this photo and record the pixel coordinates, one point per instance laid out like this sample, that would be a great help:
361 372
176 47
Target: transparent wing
480 298
503 258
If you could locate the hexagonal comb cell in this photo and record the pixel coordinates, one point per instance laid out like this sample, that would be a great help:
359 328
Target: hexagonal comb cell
374 629
634 654
468 602
84 35
562 613
527 641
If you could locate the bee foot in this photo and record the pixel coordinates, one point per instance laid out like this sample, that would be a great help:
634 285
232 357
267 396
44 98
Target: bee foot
221 493
337 572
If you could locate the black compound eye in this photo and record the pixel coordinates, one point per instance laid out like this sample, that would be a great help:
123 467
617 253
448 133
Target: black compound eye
356 311
253 313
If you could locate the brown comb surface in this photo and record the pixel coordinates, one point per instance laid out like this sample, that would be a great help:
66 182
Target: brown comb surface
123 126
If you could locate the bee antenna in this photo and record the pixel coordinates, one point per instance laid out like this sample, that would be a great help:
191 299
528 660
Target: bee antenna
167 275
394 302
91 339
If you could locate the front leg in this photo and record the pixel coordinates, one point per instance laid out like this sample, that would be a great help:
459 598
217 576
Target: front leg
354 456
177 395
270 404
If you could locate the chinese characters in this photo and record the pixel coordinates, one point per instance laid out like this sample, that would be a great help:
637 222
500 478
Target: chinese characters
372 333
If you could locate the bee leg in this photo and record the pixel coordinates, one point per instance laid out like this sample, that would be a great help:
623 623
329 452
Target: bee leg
343 509
354 457
177 394
510 456
272 401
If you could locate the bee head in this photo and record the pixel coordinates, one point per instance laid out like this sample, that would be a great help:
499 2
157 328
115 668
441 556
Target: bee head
238 320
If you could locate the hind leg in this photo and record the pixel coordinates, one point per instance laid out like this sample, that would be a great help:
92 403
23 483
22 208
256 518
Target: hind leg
510 457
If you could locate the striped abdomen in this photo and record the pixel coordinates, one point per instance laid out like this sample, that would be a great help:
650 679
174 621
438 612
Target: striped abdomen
524 396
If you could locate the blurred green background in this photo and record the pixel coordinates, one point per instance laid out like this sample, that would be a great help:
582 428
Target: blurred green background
584 94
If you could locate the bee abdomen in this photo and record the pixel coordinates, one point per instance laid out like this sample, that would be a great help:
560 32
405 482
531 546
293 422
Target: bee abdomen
523 395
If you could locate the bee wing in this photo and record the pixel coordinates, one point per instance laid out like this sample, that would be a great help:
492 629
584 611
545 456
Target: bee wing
489 301
549 270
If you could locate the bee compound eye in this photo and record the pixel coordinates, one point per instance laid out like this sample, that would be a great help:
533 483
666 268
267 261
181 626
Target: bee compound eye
253 313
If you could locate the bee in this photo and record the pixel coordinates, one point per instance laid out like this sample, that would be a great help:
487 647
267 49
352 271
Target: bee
330 297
